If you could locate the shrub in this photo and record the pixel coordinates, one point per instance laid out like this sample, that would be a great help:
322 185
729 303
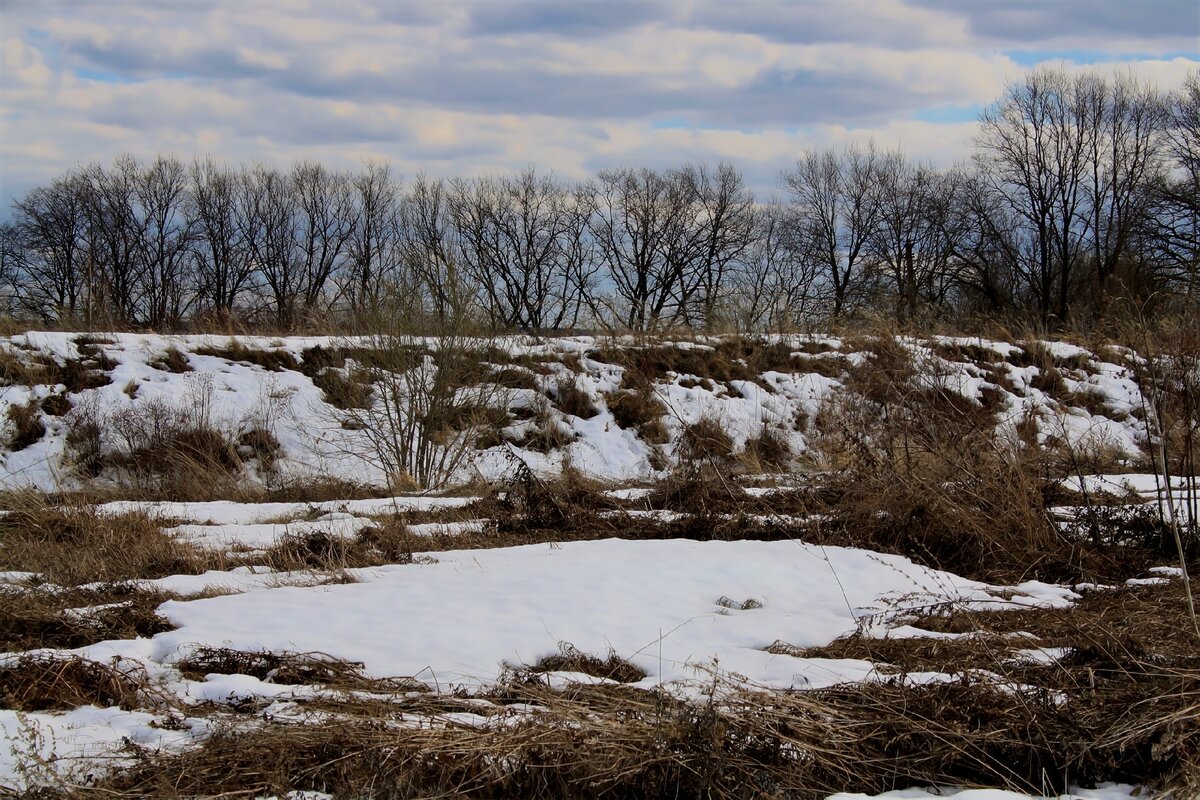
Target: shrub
25 420
429 411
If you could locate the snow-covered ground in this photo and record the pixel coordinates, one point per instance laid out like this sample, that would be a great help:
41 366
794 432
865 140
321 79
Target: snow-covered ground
313 442
679 610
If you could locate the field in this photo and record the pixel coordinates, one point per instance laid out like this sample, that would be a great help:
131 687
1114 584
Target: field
790 566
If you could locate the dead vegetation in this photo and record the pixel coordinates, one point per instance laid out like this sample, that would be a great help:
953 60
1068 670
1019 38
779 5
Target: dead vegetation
290 669
571 659
721 360
383 543
639 409
573 401
769 451
270 359
26 425
1122 704
606 741
917 470
922 471
41 682
706 440
172 360
174 450
35 616
89 371
74 545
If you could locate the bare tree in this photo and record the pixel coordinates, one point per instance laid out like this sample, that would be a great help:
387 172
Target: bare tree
774 288
1125 119
326 219
430 248
115 230
269 232
13 261
639 227
51 224
723 222
835 203
1169 233
522 240
992 241
166 238
374 248
1034 146
917 233
221 256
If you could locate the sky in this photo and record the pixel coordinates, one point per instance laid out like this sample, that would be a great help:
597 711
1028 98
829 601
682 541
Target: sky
460 87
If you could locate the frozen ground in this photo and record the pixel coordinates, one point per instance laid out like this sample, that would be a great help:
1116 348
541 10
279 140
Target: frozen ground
314 443
678 610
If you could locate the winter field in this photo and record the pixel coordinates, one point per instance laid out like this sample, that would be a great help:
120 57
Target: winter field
799 566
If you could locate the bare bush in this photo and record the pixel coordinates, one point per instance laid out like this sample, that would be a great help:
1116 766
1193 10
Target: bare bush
923 471
428 407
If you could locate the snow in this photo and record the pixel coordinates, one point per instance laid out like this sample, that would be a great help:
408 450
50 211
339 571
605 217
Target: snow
70 745
228 512
678 609
652 602
313 443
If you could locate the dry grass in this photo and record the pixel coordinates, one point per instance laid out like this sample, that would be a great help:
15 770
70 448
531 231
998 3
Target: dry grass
342 390
548 431
387 542
612 741
41 682
36 617
272 360
706 440
56 405
290 669
515 378
75 374
572 400
639 409
767 452
26 425
571 659
73 545
173 360
922 472
720 360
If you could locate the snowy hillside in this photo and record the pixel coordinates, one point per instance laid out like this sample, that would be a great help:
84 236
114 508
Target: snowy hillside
261 383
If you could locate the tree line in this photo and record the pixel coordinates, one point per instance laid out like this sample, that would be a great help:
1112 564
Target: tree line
1082 195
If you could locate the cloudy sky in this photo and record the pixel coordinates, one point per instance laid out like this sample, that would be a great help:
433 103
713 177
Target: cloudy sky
464 86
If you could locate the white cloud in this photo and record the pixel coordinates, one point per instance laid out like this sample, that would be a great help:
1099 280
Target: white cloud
571 85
